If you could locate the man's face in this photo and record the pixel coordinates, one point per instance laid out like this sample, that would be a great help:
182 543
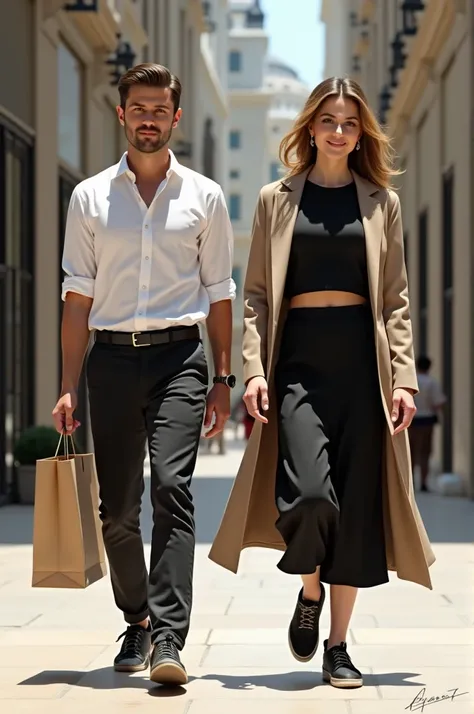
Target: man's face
149 118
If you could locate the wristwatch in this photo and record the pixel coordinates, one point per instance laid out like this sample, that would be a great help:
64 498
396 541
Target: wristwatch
229 380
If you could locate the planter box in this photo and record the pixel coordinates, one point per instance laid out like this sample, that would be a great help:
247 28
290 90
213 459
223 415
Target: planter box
26 484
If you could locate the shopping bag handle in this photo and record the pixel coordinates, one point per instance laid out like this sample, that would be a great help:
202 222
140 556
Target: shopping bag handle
66 445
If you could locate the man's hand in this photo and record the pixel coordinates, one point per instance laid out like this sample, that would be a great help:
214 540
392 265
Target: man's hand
63 413
257 391
218 404
403 409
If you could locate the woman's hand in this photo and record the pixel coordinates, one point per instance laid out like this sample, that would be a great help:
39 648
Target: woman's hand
257 391
403 409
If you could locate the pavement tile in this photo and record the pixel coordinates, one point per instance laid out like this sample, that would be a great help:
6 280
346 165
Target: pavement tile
49 657
414 657
408 636
34 683
251 706
392 706
438 682
65 705
71 638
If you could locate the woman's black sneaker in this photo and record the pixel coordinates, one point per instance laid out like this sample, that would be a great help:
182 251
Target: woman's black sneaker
166 667
303 633
338 669
134 655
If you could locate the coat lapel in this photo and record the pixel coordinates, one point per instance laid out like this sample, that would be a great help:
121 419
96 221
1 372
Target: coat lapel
287 201
373 222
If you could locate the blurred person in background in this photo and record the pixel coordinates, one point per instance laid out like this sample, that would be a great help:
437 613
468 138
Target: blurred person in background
330 377
429 402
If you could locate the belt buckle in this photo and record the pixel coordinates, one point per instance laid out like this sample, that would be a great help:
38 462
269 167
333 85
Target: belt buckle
135 343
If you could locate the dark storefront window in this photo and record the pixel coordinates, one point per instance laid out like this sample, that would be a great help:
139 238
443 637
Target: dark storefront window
66 186
447 313
16 296
423 281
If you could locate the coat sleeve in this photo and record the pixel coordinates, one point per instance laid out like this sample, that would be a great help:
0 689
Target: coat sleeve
254 345
396 307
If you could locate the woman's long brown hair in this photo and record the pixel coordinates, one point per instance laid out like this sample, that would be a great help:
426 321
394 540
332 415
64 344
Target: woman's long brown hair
375 159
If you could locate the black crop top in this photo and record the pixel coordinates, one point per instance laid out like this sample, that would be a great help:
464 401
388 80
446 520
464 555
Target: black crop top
328 246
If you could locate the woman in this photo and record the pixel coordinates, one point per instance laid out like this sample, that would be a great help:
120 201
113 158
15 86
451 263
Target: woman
330 375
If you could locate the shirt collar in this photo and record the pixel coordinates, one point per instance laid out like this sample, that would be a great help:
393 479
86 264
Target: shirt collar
123 168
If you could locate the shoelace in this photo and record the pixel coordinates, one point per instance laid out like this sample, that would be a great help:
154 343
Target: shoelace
341 658
307 615
167 648
132 642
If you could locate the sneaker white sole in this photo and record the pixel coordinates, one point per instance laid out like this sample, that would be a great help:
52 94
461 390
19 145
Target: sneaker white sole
297 656
169 673
342 683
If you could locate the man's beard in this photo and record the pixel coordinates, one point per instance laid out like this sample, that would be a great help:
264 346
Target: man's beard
148 144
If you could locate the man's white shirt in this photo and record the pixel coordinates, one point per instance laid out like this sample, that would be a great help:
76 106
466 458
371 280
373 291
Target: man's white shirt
148 268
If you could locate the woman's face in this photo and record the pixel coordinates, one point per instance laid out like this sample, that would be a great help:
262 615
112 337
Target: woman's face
336 127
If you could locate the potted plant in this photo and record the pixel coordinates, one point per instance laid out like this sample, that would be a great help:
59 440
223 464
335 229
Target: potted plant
36 442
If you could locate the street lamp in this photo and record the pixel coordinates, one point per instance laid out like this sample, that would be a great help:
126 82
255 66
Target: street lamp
122 61
82 6
409 9
397 48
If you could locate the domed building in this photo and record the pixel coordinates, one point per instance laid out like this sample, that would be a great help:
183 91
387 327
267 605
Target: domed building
289 95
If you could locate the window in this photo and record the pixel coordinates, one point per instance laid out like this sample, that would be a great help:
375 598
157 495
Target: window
235 206
235 142
235 174
235 61
423 281
447 315
70 103
275 172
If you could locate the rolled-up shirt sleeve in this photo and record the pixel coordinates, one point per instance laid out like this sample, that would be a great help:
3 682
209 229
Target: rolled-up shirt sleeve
78 261
216 252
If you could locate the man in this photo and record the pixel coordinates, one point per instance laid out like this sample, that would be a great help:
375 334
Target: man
429 403
148 255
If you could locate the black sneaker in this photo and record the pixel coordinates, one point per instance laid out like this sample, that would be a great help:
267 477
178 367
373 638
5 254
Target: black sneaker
166 667
338 669
134 655
303 633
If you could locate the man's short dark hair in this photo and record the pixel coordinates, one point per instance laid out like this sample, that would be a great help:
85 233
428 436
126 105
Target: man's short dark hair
423 363
152 75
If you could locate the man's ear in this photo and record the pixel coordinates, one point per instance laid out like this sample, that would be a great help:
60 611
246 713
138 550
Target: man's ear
177 118
120 114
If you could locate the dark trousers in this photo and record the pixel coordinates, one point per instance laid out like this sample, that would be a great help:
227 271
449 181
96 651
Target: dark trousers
331 433
157 394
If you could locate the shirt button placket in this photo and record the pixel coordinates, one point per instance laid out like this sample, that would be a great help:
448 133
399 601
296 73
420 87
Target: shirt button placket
145 270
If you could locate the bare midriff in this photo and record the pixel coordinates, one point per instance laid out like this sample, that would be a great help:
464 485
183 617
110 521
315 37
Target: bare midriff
327 298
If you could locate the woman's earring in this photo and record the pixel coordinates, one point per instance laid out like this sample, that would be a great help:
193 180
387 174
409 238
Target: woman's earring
358 146
312 140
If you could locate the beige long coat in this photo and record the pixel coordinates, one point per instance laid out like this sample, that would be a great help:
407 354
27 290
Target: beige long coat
250 515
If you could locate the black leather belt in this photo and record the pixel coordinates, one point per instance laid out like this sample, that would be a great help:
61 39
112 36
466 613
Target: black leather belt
147 339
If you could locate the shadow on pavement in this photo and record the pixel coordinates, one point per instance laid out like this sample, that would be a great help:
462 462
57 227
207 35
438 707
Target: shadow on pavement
106 679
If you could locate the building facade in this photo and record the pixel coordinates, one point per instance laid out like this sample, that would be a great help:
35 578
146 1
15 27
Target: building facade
415 61
288 96
58 125
265 96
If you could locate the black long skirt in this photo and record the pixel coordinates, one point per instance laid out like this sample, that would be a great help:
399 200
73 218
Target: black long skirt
331 429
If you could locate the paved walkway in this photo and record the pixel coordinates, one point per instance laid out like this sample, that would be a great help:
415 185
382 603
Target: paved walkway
56 647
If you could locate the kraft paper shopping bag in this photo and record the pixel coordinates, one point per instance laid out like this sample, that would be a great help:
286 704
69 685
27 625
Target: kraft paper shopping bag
68 550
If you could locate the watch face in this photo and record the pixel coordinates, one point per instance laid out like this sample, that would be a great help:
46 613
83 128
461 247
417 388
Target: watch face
231 380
